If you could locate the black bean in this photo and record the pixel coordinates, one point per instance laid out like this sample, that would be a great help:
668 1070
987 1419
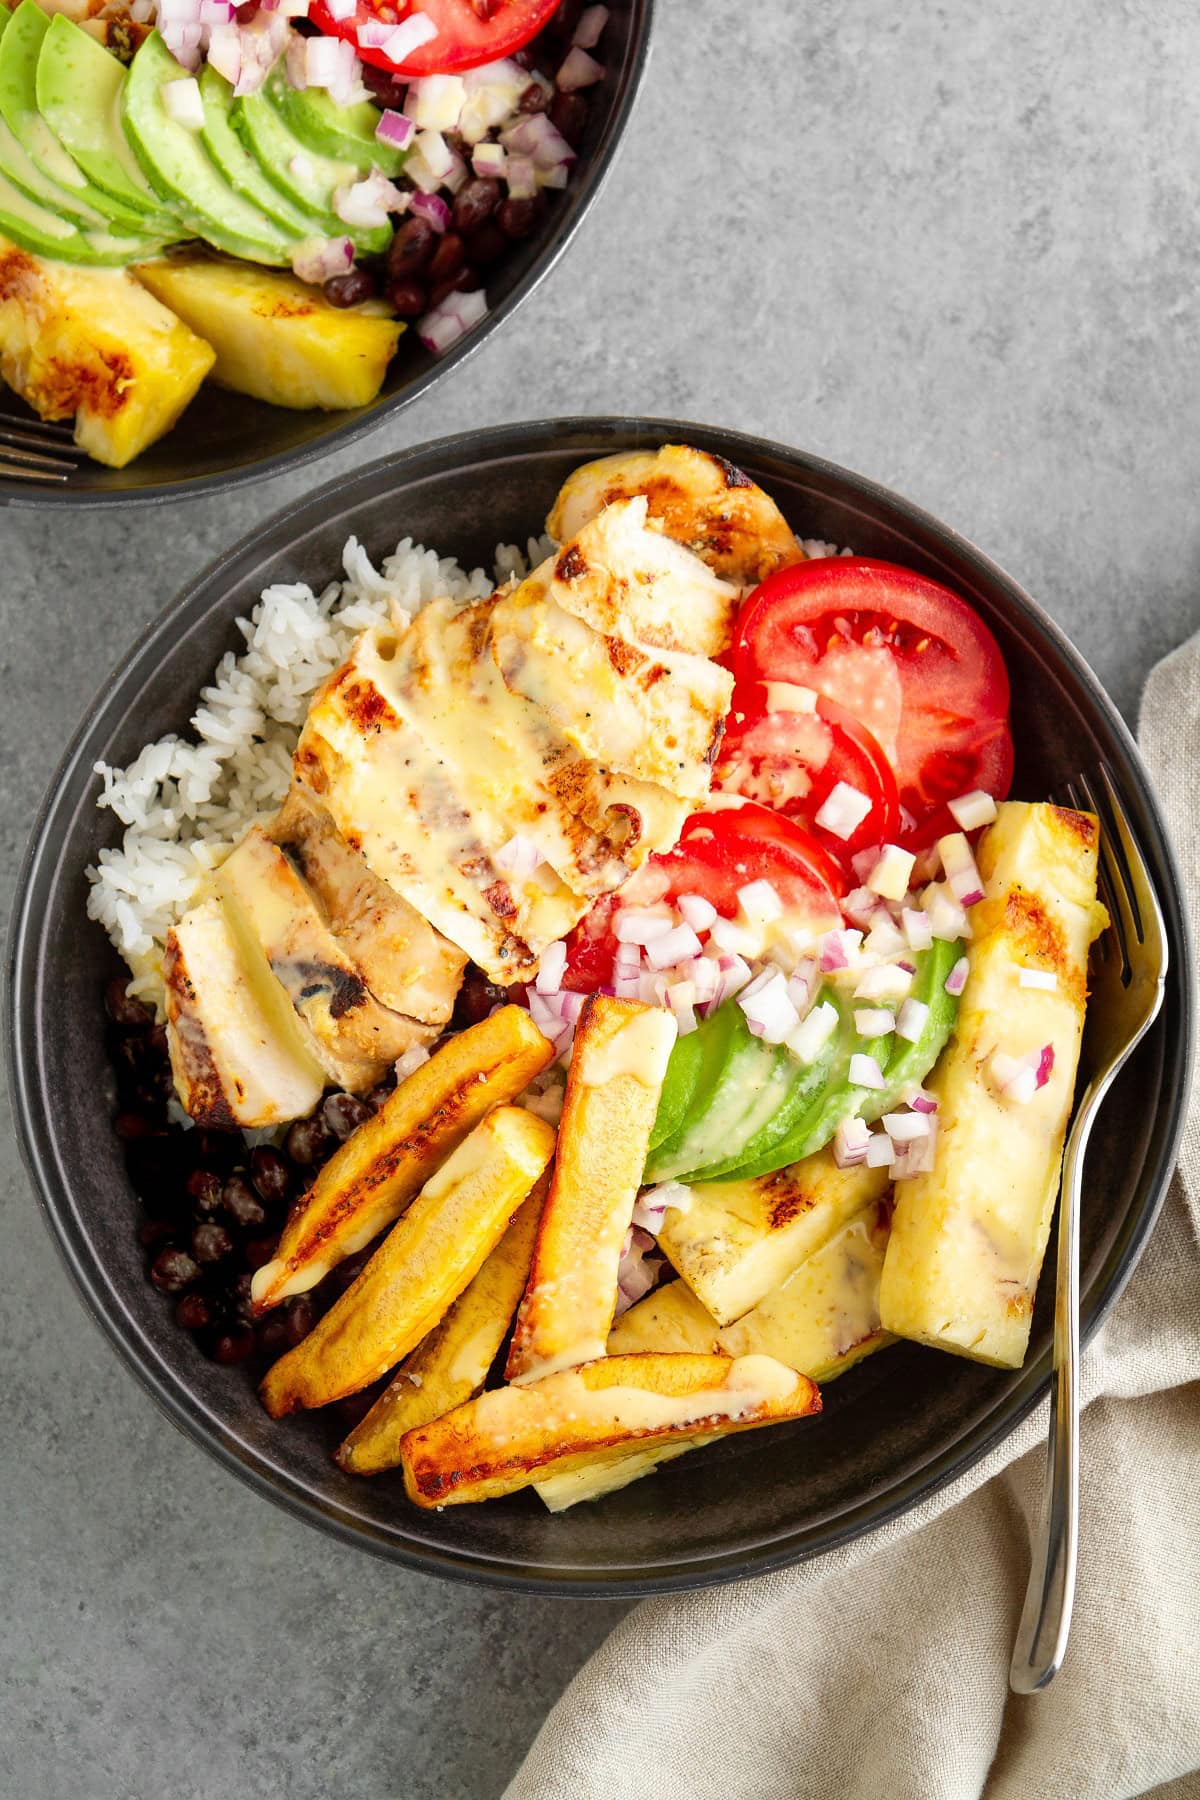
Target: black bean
344 1113
258 1251
473 203
535 99
517 218
353 1409
299 1318
487 244
194 1312
388 89
269 1173
568 115
272 1336
447 259
242 1296
173 1270
307 1141
560 27
242 1203
124 1010
465 282
476 998
211 1242
378 1095
411 249
232 1346
204 1190
407 299
350 289
129 1125
155 1231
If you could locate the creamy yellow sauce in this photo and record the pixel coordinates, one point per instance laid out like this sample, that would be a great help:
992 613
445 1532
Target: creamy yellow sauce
639 1049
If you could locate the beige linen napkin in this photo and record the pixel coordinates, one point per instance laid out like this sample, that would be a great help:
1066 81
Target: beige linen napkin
880 1671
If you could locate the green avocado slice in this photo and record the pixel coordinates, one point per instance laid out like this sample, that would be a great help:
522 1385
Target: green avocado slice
345 133
44 233
714 1042
305 178
20 48
78 88
181 170
752 1084
910 1063
239 168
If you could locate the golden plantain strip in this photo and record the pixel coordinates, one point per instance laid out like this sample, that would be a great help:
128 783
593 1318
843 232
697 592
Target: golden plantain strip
510 1437
968 1238
371 1179
617 1067
610 1471
425 1263
451 1364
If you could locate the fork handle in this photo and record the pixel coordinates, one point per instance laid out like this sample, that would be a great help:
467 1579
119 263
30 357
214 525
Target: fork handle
1041 1642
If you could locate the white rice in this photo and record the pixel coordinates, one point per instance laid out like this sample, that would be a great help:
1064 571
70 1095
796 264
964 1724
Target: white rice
185 802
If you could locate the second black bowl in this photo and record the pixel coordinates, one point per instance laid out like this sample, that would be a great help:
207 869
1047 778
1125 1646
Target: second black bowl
894 1428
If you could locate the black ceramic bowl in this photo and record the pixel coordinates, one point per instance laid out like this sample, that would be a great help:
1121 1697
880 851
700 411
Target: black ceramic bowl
894 1428
224 439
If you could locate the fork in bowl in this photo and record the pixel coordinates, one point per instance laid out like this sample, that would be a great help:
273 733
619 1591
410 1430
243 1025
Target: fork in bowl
1128 978
33 450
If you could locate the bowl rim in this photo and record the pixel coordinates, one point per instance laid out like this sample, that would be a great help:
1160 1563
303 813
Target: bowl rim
36 1135
587 190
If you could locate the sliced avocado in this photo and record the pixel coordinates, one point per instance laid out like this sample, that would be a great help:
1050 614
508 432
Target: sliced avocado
910 1063
181 170
345 133
78 87
715 1040
303 177
807 1082
20 48
35 228
679 1085
237 165
753 1083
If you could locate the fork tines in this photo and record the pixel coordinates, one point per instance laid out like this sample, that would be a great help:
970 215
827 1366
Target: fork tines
37 450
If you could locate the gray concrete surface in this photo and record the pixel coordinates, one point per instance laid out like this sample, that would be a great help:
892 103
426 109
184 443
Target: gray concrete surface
953 247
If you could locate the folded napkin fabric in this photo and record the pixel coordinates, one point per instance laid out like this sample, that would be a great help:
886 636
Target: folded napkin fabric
880 1671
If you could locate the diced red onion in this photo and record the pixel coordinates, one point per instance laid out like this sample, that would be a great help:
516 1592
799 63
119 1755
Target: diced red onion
920 1100
579 70
884 939
672 947
432 208
457 175
435 153
504 73
434 102
490 160
906 1127
590 28
401 41
183 104
640 925
412 1059
973 810
886 981
372 33
836 948
760 903
768 1011
552 966
521 176
872 1021
947 918
813 1032
956 980
735 973
370 202
1045 979
918 933
850 1142
393 128
301 166
802 984
705 976
843 810
863 861
962 876
911 1020
739 940
520 856
535 136
890 875
859 905
319 259
341 9
1020 1077
628 958
627 987
225 51
1045 1064
865 1072
215 12
297 61
572 1005
696 911
322 59
681 998
880 1151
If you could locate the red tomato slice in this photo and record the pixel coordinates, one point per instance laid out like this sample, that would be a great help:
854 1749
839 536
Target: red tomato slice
470 32
792 762
909 659
718 853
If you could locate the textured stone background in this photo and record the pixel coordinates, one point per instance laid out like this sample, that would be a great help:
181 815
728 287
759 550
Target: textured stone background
952 247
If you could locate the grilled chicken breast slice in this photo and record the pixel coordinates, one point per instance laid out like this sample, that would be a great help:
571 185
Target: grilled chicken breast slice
237 1053
348 1031
409 810
409 967
701 500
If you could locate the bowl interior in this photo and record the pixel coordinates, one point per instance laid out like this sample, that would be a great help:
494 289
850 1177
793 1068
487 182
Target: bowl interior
224 438
899 1423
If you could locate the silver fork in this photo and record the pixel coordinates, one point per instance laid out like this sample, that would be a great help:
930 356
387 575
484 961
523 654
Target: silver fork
34 450
1128 975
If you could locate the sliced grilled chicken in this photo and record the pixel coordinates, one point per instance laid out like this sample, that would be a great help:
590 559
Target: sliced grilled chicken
655 715
348 1031
402 803
702 501
514 764
237 1053
408 966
